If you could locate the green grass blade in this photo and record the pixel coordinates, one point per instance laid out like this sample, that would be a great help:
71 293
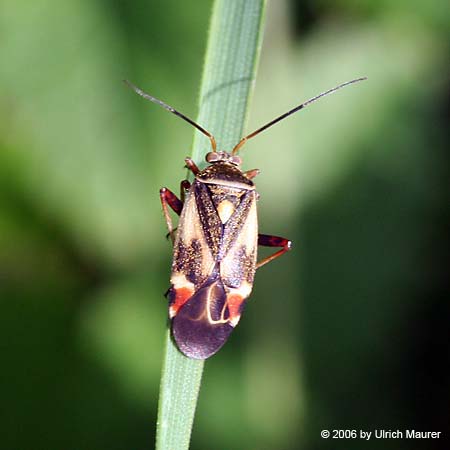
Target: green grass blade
228 77
180 384
229 72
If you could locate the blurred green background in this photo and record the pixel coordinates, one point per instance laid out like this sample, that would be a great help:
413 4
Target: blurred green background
347 331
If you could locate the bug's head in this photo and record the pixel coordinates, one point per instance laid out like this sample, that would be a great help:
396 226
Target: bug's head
219 157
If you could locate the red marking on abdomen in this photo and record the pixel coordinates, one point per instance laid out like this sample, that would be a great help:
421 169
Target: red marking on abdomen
234 303
181 296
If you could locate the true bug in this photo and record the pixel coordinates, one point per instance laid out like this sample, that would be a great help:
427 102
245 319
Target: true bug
215 244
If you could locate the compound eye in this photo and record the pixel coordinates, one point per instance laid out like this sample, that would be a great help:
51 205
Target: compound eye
212 157
236 160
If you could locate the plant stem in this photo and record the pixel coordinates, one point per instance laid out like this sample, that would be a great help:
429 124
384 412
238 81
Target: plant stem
228 77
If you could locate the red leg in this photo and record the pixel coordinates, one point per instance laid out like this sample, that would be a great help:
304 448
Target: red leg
250 174
168 198
273 241
184 186
190 164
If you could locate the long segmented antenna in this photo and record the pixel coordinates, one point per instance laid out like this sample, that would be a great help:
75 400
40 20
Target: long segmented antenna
172 110
292 111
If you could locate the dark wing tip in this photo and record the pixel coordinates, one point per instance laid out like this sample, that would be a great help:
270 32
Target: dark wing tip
198 327
199 339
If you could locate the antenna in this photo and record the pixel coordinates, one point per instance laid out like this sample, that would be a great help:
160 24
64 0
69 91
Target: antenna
292 111
172 110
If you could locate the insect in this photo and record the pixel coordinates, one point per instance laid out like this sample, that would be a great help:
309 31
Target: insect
215 244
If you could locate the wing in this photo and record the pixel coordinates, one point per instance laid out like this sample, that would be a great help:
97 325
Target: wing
238 263
201 326
193 261
213 269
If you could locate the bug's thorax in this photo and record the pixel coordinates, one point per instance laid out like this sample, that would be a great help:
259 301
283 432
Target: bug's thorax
226 174
226 185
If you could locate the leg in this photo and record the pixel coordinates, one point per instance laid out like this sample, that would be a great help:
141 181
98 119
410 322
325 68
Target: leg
168 198
273 241
184 186
250 174
190 164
